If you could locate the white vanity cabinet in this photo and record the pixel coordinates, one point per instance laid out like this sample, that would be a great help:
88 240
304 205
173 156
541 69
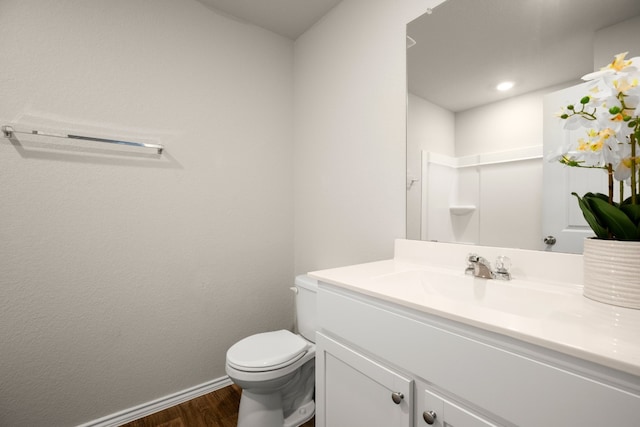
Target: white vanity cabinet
368 349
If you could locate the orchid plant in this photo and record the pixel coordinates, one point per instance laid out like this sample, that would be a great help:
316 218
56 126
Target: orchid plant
610 116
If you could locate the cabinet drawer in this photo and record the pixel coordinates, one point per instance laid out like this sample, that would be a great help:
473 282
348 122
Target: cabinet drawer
522 390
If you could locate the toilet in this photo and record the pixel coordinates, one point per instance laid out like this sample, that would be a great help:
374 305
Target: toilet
276 370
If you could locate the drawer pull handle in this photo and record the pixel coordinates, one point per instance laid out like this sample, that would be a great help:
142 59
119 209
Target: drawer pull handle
429 417
397 397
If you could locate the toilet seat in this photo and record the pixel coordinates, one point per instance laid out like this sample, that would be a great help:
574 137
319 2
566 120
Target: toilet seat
267 351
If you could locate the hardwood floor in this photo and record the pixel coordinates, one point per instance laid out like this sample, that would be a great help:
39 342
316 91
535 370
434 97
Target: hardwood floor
217 409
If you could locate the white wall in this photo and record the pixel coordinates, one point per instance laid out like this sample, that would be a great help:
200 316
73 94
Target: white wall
500 126
350 133
430 127
125 277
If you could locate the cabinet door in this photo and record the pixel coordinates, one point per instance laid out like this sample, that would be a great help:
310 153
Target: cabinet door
355 391
446 414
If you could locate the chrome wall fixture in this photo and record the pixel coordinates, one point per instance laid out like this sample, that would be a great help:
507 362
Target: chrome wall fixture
9 132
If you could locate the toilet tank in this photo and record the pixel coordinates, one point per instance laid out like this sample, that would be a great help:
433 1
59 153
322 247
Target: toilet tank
306 292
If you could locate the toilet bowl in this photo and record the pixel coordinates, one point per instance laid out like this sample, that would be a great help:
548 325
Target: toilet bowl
276 370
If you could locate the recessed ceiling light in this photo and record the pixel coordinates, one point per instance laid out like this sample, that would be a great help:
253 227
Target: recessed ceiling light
504 86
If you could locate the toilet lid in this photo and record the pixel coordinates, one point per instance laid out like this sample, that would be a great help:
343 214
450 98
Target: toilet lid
266 351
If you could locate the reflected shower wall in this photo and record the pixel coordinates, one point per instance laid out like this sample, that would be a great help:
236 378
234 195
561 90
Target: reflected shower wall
487 199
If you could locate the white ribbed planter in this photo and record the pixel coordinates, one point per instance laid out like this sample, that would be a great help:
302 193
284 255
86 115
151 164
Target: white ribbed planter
612 272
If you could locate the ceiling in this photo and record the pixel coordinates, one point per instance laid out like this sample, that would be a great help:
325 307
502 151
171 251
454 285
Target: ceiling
465 47
289 18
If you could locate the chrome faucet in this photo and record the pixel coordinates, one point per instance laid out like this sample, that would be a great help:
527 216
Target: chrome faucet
480 267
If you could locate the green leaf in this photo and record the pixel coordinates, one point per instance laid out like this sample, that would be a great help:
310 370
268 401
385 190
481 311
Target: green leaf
632 212
592 220
614 219
600 196
627 201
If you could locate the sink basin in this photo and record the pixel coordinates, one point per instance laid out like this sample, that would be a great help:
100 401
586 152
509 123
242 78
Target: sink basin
518 297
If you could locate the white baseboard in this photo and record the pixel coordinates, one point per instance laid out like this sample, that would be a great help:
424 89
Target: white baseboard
157 405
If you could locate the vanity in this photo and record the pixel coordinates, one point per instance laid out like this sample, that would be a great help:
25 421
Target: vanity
414 341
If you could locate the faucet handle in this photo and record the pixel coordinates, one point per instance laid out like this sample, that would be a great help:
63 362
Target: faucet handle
471 259
503 264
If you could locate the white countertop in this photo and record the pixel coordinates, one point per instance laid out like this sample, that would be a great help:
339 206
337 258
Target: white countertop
532 307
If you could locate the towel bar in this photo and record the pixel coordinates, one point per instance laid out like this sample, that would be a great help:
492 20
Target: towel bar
8 132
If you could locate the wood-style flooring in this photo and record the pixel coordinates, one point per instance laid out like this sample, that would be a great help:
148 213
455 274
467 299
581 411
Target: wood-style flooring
217 409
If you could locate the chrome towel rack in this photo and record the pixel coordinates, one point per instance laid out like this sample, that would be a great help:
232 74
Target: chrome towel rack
8 132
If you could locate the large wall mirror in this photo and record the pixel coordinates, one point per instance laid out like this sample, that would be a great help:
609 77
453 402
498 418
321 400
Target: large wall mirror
476 155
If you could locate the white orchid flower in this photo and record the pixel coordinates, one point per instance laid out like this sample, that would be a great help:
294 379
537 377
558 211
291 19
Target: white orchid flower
610 113
619 64
622 171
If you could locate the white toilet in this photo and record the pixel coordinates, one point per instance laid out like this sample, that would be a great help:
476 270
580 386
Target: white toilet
276 370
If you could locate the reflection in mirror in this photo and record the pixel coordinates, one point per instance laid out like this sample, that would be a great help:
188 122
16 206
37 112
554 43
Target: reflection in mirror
474 153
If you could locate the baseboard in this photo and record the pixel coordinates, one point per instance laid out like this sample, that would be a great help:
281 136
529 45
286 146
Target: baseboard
132 414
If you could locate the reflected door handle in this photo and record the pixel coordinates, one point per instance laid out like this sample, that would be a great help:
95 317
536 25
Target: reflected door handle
549 240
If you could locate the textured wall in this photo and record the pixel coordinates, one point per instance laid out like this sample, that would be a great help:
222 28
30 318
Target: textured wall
124 277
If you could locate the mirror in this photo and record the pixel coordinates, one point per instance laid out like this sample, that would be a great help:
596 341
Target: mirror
474 154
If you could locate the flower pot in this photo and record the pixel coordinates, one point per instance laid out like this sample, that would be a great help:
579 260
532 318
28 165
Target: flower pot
612 272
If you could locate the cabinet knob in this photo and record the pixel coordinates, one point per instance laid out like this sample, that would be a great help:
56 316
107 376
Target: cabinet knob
397 397
429 417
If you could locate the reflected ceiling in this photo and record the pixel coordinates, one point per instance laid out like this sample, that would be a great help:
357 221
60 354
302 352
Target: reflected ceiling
536 44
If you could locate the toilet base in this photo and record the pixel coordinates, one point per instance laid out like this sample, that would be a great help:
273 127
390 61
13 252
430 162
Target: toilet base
260 410
301 416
